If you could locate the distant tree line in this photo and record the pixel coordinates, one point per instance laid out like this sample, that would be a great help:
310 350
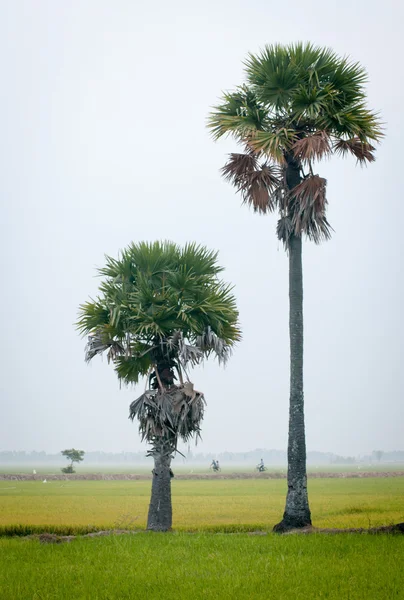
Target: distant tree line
271 457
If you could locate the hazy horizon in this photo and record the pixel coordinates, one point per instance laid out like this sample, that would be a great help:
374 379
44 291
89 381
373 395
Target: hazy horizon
103 117
14 462
196 452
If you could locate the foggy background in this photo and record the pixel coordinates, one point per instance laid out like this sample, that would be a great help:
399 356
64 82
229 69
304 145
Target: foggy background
103 142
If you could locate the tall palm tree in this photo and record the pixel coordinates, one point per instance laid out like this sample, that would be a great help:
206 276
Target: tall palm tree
299 104
161 309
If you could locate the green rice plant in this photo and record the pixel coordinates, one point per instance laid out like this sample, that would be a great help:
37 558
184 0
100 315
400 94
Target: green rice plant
180 566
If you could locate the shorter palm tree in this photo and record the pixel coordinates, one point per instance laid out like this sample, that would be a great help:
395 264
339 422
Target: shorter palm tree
161 310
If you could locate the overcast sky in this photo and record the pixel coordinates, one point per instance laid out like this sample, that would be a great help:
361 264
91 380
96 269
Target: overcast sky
103 142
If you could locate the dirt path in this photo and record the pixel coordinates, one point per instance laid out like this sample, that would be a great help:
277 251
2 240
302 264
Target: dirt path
52 538
193 476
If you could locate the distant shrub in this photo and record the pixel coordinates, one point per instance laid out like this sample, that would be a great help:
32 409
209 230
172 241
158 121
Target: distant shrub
68 469
75 456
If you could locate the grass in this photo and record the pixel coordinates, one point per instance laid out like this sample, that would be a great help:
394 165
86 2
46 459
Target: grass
212 505
183 566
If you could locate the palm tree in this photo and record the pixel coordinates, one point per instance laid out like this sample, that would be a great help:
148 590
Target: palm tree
299 104
161 309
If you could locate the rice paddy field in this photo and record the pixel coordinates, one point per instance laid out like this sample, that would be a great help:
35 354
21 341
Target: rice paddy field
183 468
221 546
199 505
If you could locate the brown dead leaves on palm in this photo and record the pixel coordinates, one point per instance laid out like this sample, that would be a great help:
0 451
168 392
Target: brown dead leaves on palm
256 183
320 144
311 192
313 147
308 209
363 151
303 211
263 188
239 166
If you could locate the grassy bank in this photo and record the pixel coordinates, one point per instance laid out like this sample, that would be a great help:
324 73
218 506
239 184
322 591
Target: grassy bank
183 566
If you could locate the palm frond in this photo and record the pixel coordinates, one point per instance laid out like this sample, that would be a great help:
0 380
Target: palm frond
348 79
186 353
199 260
274 143
255 182
190 354
272 75
363 151
313 147
317 228
92 315
130 369
239 166
309 102
98 343
351 121
258 187
240 115
210 342
165 415
307 209
311 192
284 230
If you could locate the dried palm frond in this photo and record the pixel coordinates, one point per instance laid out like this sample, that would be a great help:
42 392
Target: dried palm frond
311 192
174 339
210 342
169 414
318 229
238 166
307 206
313 147
363 151
280 196
258 187
257 197
255 183
98 343
186 353
284 229
189 354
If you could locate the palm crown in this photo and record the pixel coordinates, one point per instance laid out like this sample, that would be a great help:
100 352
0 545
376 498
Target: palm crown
300 103
161 308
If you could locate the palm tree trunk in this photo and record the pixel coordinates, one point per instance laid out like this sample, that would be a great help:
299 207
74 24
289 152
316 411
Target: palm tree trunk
297 511
160 509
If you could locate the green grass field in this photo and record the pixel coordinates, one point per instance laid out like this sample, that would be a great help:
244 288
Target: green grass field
201 558
222 566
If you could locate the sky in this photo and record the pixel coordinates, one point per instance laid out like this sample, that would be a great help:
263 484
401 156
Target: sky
103 142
